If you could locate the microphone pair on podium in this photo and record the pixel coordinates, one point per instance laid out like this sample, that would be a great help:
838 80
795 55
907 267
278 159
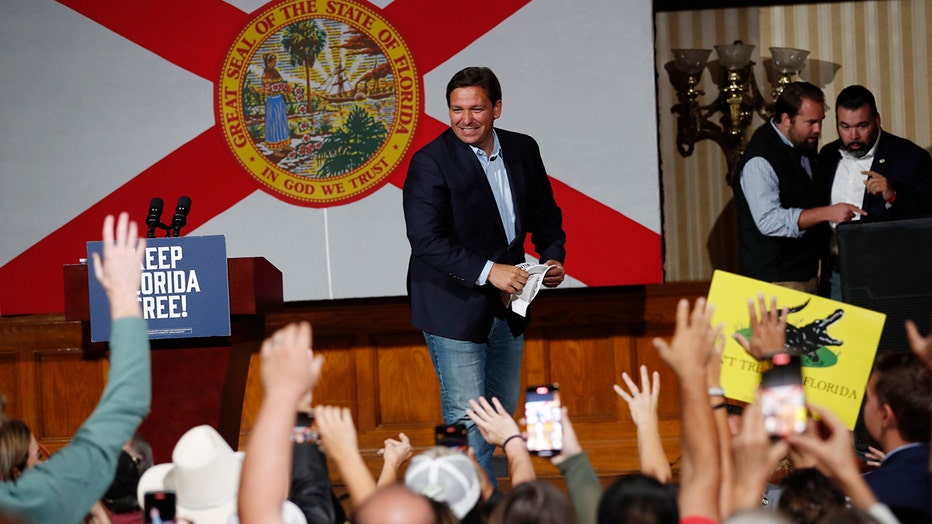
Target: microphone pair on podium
154 219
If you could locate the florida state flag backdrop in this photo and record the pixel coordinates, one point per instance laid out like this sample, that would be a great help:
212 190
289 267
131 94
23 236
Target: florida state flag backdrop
290 124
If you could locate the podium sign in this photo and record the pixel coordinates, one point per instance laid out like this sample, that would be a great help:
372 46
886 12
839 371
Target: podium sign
184 289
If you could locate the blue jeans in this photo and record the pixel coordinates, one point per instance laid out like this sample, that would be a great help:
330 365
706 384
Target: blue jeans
467 370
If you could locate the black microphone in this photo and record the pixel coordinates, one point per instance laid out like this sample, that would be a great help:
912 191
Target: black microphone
155 216
181 214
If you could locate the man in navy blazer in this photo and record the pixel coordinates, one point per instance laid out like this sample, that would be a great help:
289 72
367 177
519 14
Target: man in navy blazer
883 174
471 197
896 415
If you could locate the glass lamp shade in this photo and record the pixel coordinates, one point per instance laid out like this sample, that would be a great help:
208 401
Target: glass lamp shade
788 60
734 56
691 61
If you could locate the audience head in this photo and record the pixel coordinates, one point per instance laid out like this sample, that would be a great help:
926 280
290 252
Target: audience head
135 459
445 475
396 504
18 449
808 496
897 400
534 502
638 499
757 516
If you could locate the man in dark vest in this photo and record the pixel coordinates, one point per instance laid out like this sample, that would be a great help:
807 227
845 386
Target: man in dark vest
782 217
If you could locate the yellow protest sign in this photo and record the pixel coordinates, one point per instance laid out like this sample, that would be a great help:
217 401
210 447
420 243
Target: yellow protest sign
838 342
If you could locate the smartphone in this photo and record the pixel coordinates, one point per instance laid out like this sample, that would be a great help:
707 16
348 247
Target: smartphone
159 507
305 429
782 397
544 420
452 436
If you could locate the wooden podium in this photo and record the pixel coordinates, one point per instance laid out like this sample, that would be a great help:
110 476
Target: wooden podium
198 380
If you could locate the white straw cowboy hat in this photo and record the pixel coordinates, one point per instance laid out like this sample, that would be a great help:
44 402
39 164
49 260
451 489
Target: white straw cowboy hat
204 474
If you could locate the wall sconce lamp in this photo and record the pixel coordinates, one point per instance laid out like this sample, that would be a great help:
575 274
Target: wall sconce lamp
738 99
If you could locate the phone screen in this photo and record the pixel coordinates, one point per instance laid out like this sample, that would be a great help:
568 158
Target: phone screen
159 507
544 420
305 429
452 436
782 398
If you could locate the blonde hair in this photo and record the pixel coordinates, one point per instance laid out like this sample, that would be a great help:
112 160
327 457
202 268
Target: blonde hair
14 448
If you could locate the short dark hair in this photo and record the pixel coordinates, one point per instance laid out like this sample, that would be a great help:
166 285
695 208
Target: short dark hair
854 97
638 498
481 77
535 501
791 99
808 496
903 381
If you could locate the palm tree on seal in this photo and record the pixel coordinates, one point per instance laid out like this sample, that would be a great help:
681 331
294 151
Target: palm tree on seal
303 41
352 145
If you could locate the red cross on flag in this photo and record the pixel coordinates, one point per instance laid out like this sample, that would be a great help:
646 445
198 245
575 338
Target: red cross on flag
290 124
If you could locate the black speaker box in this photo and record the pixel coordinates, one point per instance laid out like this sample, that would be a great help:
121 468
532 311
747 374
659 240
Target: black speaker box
886 266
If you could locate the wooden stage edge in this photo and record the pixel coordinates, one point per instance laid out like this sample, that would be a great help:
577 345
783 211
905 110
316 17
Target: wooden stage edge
376 364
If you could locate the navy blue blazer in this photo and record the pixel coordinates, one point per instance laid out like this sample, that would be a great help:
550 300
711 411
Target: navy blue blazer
454 227
902 480
908 169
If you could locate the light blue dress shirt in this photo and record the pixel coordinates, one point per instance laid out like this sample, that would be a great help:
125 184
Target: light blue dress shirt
494 168
762 192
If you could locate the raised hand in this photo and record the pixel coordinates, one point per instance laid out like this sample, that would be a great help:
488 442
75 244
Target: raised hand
768 331
395 453
494 423
754 457
641 401
120 269
693 340
288 362
829 442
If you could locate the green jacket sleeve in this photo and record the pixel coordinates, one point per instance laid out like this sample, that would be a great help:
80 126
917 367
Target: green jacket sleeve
62 490
583 485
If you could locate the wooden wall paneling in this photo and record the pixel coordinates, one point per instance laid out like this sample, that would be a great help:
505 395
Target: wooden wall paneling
340 381
535 362
409 393
252 398
9 379
367 389
68 388
582 361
